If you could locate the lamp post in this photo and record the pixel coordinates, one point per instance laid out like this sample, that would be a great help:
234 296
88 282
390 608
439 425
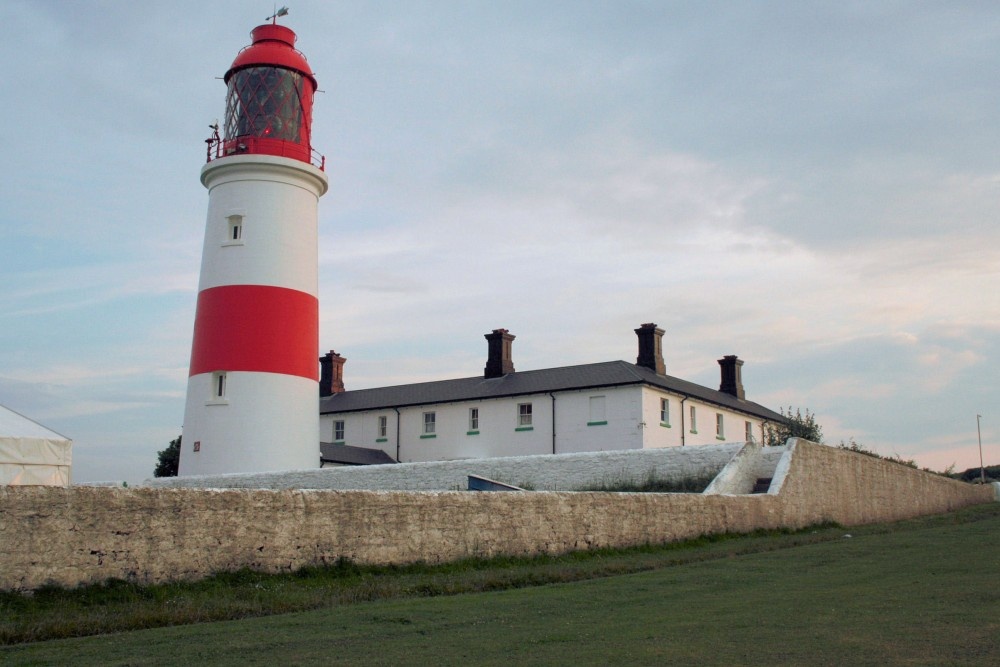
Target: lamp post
982 470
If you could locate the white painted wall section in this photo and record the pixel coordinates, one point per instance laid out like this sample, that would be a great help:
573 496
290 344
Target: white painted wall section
564 472
278 200
229 441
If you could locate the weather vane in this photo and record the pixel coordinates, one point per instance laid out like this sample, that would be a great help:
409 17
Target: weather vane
273 18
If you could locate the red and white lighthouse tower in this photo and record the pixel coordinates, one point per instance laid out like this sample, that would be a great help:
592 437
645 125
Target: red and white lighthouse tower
252 395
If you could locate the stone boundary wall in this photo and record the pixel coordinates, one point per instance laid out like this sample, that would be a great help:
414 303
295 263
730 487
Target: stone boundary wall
78 535
822 483
563 472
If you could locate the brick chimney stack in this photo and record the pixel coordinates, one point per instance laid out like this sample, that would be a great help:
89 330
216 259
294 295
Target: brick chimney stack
499 361
651 348
331 374
732 376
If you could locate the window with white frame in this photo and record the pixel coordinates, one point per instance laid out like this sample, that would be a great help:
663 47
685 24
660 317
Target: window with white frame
665 411
749 431
597 411
694 420
383 426
338 430
523 414
430 423
720 425
473 419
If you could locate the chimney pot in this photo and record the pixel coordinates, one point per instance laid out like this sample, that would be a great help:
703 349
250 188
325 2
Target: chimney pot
499 361
650 348
331 374
732 376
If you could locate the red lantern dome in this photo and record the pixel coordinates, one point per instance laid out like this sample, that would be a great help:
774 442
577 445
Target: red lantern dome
269 100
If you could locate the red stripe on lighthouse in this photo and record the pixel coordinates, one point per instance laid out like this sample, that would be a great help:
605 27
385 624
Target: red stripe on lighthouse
256 328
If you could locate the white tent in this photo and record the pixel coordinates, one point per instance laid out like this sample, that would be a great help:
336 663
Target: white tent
31 454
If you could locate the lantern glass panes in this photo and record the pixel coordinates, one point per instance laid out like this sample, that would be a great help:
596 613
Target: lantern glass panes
266 102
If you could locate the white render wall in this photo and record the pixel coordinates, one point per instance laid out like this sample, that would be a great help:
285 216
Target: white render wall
499 433
497 436
679 431
631 420
580 431
361 430
565 472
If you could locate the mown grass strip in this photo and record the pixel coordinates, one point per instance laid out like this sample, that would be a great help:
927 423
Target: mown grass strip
119 606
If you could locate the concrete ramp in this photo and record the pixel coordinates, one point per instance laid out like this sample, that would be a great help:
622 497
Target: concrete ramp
753 469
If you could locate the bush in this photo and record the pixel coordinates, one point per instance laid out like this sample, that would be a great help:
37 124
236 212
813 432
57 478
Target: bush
168 459
797 425
975 474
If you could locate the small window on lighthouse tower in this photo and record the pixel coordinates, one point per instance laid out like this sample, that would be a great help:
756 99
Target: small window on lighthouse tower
234 230
219 381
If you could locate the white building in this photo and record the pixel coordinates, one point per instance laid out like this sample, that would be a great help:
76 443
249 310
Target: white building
31 454
612 405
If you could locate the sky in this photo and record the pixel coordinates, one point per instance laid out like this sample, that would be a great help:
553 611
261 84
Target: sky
812 186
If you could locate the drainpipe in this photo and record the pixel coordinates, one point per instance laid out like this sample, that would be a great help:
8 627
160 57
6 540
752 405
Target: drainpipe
397 434
683 426
553 422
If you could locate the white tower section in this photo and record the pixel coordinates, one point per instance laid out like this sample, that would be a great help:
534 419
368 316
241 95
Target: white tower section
253 394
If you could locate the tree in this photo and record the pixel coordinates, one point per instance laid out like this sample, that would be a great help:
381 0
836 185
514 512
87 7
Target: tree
797 425
974 474
168 459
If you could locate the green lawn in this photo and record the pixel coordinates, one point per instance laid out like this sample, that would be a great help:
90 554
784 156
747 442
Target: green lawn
917 593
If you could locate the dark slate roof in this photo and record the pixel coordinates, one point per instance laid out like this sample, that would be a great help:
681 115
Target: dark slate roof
585 376
330 452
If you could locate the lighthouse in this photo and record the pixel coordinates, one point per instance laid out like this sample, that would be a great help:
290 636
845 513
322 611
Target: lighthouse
252 394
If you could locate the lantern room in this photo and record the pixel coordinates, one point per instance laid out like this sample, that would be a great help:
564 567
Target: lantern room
269 99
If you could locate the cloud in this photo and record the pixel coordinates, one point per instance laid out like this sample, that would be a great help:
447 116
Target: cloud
906 394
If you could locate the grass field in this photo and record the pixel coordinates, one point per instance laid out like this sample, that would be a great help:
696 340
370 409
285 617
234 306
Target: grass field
921 592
